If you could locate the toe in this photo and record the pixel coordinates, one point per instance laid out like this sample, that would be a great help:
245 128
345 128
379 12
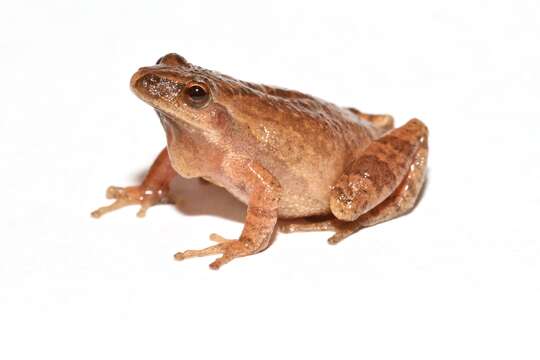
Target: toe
215 265
219 262
218 238
335 239
114 192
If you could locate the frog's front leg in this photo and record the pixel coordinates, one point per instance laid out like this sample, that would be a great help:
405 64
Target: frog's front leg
153 190
378 171
264 193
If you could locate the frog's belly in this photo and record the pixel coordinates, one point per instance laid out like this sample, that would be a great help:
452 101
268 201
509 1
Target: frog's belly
294 205
298 205
306 187
297 200
306 195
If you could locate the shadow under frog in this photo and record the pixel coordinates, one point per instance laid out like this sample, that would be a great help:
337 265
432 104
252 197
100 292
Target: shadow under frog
195 197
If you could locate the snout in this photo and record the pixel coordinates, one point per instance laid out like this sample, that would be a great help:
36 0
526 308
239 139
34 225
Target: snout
151 84
137 76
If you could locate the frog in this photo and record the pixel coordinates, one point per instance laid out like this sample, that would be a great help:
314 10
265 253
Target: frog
298 162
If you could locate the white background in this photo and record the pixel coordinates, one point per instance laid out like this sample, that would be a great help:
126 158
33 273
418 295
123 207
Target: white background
458 278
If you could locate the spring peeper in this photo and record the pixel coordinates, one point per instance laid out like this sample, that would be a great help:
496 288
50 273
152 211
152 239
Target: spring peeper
285 154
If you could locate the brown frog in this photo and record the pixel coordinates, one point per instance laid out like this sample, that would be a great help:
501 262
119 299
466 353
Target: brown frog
285 154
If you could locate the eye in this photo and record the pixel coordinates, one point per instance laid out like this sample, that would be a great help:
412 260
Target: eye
197 95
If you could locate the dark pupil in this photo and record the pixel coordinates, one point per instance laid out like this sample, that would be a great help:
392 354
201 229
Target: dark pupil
196 93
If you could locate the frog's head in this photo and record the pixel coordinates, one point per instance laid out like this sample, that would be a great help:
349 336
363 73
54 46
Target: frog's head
181 93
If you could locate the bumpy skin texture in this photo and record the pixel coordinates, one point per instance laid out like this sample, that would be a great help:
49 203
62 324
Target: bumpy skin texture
285 154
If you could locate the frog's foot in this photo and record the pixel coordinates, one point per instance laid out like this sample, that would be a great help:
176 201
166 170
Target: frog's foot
230 249
132 195
342 229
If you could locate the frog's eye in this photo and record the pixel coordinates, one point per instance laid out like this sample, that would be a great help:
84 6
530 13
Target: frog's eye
172 59
197 95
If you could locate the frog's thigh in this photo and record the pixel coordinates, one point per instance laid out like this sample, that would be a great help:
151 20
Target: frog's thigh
402 200
378 171
406 195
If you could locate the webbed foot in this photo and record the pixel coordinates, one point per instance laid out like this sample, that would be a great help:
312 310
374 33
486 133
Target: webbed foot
230 249
132 195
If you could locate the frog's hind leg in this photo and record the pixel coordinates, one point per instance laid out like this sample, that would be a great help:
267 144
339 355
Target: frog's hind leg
382 183
378 171
382 122
400 202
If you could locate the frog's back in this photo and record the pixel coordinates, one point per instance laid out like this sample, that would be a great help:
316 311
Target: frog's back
292 102
291 110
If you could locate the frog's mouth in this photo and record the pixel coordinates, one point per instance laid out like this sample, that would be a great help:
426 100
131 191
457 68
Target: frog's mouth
172 126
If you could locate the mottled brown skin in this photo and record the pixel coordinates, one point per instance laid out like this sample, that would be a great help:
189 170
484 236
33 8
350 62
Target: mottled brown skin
285 154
